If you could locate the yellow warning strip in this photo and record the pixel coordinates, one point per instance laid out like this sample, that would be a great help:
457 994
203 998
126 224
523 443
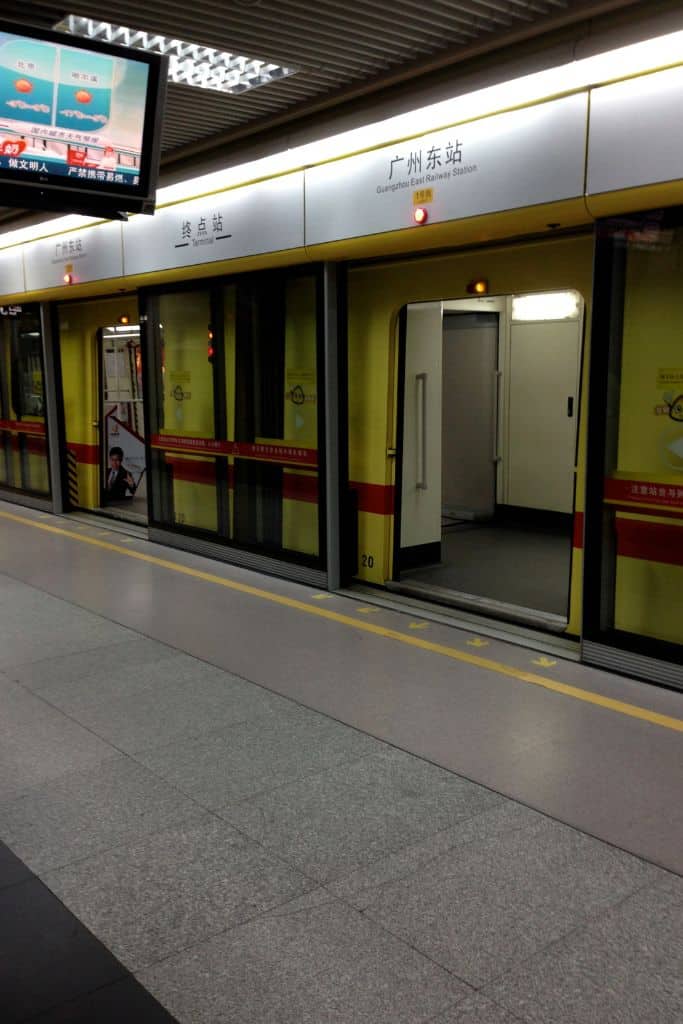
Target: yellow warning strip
632 710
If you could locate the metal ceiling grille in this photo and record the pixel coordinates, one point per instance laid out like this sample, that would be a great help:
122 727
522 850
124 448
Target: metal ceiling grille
334 46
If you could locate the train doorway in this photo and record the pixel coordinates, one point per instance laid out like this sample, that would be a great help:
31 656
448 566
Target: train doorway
123 481
488 401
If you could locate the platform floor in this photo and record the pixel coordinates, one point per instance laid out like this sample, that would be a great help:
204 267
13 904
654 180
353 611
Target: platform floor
244 801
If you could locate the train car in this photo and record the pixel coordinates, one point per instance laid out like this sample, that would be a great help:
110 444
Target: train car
446 362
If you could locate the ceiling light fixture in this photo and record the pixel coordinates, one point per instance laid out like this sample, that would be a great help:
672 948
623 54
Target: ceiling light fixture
546 306
189 63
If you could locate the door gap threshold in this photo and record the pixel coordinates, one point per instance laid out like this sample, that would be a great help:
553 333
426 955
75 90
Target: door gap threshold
458 618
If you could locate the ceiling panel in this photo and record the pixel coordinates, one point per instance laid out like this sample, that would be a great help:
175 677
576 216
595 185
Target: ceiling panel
333 45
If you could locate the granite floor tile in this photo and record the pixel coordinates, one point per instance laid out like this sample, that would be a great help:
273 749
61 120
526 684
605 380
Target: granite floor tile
83 813
626 966
151 897
610 778
363 887
39 743
489 904
335 822
56 628
163 701
257 755
427 795
106 679
475 1009
324 963
92 667
9 587
394 985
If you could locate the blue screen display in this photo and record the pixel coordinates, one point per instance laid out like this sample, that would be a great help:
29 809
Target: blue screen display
70 112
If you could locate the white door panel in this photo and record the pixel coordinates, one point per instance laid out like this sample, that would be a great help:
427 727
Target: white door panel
544 360
470 360
421 489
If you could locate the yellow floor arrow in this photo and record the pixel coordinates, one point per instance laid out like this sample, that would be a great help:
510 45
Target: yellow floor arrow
478 642
543 661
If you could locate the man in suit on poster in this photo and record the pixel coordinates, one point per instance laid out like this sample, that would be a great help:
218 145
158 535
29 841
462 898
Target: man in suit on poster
120 483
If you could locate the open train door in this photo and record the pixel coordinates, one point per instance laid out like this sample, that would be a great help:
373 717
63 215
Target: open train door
122 433
486 451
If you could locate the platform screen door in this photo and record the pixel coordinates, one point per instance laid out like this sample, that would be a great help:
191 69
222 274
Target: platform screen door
122 418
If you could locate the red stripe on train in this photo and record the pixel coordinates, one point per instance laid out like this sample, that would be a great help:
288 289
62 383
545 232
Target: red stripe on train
577 539
88 454
300 488
192 471
375 498
653 542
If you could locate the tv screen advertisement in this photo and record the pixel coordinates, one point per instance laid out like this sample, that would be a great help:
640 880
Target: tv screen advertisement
79 122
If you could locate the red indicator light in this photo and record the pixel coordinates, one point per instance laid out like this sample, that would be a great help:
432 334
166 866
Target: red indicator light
420 215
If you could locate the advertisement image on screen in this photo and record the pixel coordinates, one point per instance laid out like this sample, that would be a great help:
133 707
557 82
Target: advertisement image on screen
70 112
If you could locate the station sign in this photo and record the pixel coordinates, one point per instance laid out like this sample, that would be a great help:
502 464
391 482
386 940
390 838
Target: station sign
507 161
264 217
93 254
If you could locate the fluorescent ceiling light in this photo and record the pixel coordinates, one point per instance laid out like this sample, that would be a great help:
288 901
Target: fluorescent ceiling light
189 63
546 306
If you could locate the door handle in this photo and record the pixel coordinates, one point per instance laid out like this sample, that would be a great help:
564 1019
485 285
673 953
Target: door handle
421 430
570 405
498 378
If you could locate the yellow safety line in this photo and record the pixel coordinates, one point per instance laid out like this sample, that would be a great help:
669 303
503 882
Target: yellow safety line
632 710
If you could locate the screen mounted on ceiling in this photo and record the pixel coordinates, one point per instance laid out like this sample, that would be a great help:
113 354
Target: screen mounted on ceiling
79 122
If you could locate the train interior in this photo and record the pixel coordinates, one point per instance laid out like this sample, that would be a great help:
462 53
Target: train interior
489 389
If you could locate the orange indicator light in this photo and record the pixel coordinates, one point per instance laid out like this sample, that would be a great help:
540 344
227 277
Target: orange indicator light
479 286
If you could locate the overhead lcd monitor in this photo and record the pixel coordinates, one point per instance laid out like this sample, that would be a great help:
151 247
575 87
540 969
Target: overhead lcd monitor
79 123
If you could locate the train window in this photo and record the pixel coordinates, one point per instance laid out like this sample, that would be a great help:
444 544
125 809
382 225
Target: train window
635 539
23 432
